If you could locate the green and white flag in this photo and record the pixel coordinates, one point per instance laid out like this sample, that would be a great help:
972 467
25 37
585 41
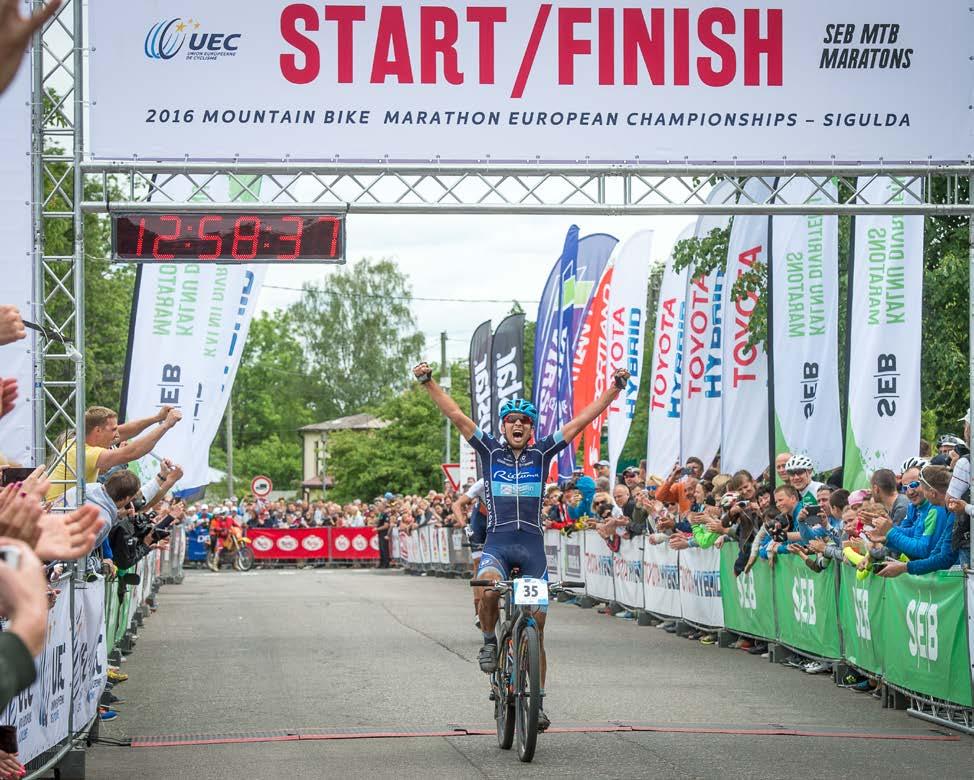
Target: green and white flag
804 311
886 300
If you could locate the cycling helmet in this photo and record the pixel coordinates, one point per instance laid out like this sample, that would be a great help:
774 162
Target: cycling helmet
913 463
519 406
949 440
799 463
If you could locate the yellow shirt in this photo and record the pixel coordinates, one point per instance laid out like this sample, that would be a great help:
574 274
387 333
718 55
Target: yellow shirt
65 470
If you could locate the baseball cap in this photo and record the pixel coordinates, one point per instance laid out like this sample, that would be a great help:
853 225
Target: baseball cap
966 418
602 463
630 472
388 496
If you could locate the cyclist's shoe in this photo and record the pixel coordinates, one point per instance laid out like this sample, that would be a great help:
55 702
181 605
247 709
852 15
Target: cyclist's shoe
543 721
488 658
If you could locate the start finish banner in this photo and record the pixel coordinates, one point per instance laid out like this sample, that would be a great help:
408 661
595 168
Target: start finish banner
573 80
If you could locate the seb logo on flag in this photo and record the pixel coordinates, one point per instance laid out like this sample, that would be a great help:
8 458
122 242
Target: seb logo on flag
803 598
921 622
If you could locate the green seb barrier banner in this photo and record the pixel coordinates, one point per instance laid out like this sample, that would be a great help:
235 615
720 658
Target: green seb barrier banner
749 598
925 636
861 617
807 615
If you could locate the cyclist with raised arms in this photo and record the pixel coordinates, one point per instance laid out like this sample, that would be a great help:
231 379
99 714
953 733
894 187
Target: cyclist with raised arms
514 474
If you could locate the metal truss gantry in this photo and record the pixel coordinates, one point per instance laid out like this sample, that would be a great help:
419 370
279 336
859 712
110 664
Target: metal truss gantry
57 116
524 189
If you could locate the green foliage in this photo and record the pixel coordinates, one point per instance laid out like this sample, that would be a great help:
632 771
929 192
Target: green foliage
404 457
359 335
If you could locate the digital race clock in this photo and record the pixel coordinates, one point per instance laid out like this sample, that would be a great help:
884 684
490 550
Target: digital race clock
228 237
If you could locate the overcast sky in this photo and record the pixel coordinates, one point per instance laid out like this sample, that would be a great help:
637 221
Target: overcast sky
471 257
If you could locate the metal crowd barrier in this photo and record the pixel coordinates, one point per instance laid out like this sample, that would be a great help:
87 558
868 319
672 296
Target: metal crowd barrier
93 622
914 634
435 550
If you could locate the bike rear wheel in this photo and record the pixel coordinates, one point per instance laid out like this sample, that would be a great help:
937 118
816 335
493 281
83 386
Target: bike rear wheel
504 713
527 694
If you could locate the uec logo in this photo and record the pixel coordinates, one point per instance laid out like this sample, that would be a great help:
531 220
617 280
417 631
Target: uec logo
165 39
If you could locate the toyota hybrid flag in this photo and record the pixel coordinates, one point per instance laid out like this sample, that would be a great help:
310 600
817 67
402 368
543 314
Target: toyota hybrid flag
744 429
666 393
703 370
886 311
626 328
804 324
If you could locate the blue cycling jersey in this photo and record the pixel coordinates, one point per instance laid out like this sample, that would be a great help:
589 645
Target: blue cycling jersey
513 485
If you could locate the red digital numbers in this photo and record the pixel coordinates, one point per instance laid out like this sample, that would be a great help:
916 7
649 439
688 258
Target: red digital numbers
239 238
216 238
196 237
294 238
178 226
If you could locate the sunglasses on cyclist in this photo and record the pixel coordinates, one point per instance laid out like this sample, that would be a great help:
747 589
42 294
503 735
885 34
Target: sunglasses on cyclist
518 418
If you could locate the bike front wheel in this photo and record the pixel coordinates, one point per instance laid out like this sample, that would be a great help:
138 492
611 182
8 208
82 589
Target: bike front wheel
245 558
527 693
504 711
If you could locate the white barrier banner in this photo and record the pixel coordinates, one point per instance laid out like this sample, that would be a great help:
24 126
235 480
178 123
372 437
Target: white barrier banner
16 267
571 548
625 328
609 80
397 548
744 414
598 567
444 545
434 544
703 371
805 310
425 548
552 552
666 395
90 652
661 580
886 326
42 720
628 573
700 587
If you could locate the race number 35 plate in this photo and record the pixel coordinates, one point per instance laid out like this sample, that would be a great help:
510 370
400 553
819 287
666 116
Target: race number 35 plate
528 591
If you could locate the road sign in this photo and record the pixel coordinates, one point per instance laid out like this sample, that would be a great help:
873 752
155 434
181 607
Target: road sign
452 471
261 486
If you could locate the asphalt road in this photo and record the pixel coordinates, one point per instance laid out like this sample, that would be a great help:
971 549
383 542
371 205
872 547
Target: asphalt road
328 653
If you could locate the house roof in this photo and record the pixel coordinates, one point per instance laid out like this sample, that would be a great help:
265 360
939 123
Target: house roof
355 422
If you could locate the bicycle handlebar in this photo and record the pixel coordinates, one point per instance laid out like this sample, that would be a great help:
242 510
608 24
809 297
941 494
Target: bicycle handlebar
507 583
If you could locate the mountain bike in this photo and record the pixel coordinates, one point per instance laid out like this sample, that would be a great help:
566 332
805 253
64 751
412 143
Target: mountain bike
515 688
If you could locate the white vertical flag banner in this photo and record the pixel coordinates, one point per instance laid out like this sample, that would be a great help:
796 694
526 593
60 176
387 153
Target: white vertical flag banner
805 303
744 413
885 326
191 324
625 330
702 338
16 269
666 393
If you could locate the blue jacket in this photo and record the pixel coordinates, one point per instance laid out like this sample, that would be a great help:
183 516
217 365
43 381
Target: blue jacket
918 544
942 554
586 486
766 542
912 525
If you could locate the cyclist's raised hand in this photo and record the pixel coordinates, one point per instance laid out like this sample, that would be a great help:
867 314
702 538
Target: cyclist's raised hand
423 372
620 378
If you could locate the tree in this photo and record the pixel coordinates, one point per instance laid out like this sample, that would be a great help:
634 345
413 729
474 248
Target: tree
404 457
358 334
